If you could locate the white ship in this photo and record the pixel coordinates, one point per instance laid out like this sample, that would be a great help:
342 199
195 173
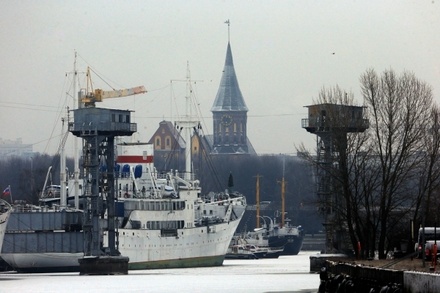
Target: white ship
166 222
163 220
5 212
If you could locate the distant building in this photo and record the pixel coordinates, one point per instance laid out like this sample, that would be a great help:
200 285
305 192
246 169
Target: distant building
229 123
169 147
11 148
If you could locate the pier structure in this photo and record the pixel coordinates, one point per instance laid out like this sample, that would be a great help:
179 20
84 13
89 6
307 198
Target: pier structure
98 128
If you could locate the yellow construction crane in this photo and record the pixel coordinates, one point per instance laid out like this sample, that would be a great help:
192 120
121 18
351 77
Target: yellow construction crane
90 97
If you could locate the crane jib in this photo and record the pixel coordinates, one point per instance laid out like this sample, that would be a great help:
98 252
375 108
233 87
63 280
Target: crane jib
100 94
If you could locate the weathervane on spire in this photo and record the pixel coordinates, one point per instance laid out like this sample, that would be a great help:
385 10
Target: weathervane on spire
229 24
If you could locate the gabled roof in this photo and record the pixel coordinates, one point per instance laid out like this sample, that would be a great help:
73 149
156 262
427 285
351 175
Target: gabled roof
171 129
229 97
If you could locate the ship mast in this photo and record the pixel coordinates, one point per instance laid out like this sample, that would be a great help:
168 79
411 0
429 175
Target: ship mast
283 200
63 178
258 200
75 141
283 197
186 125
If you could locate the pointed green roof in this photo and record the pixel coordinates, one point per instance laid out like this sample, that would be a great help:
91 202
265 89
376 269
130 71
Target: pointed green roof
229 97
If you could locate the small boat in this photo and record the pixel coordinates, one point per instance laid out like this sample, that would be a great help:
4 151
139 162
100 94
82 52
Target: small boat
276 232
259 252
240 251
273 252
273 235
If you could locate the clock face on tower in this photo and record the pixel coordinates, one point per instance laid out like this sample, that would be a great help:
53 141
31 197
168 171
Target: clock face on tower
226 120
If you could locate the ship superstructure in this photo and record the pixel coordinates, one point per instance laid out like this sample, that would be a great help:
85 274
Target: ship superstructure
164 221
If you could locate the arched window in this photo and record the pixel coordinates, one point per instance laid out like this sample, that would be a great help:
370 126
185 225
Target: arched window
168 142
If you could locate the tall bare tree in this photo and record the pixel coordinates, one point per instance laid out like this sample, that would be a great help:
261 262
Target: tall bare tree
426 207
398 108
383 177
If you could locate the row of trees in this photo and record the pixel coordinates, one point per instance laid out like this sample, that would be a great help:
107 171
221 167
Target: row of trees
300 191
26 176
388 176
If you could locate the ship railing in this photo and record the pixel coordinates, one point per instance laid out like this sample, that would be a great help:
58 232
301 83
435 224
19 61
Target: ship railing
29 208
189 176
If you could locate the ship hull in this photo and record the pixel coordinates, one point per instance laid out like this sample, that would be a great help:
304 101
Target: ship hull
159 221
4 218
207 261
292 243
196 247
43 262
146 249
62 262
288 238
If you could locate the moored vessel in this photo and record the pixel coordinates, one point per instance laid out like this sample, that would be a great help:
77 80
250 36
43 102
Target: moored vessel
251 251
162 220
47 237
272 235
5 213
276 232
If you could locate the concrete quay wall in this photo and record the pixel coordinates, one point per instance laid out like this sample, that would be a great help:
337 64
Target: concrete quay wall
336 275
416 282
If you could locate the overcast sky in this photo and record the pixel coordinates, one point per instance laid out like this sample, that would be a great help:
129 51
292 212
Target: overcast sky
284 53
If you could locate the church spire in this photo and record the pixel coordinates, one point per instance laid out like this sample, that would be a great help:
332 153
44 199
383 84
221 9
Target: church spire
229 97
229 113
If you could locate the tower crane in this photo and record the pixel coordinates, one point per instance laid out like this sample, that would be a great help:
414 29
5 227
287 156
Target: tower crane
89 97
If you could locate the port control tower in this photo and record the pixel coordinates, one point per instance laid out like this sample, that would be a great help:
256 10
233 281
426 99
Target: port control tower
98 128
331 123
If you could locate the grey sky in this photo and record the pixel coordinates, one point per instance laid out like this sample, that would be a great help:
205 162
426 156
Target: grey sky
284 53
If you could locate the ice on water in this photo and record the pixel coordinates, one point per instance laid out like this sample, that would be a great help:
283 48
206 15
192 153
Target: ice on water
285 274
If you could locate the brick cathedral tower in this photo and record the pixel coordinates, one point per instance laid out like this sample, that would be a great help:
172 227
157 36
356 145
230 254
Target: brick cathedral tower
230 114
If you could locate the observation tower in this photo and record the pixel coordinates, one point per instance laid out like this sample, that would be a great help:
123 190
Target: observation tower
331 123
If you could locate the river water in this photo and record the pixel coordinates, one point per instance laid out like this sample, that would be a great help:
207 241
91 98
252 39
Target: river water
285 274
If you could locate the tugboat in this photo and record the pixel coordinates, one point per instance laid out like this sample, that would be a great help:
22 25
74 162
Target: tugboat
275 234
